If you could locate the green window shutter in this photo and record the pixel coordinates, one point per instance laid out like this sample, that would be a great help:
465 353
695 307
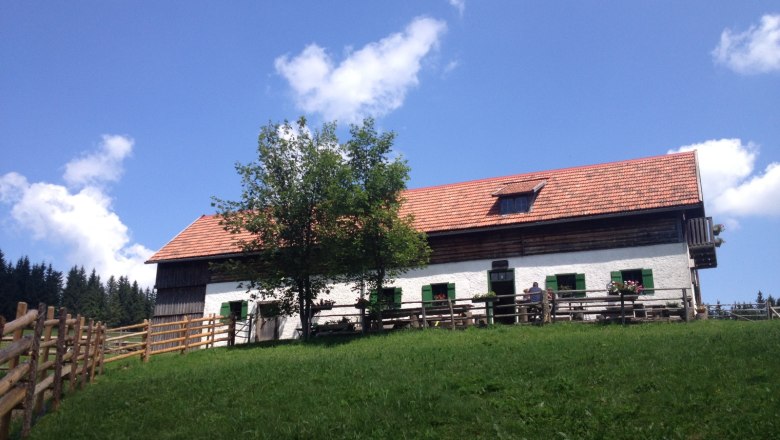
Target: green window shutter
647 281
224 310
616 276
397 298
244 309
427 295
579 280
451 290
551 282
373 297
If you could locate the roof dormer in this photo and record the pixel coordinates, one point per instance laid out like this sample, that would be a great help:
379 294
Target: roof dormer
517 197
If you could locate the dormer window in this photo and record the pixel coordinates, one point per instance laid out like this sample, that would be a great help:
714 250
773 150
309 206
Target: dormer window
517 197
515 204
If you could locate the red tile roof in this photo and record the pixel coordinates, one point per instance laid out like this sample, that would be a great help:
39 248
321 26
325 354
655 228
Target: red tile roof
616 188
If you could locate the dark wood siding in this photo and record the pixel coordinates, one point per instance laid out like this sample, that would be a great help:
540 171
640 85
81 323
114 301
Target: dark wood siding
564 237
189 273
180 300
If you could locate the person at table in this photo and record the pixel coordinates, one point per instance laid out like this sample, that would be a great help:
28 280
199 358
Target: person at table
535 292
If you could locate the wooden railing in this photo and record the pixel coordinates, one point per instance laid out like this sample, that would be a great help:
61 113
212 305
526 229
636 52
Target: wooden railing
44 353
141 340
700 232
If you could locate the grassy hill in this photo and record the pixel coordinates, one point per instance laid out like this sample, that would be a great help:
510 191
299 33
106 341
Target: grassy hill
702 380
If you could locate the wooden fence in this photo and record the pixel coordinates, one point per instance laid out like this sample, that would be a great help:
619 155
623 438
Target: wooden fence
570 305
145 340
743 311
42 356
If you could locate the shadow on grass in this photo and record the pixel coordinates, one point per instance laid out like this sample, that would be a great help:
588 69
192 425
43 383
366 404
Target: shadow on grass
322 341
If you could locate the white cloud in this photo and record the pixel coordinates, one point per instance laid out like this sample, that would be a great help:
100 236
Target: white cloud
452 65
460 5
757 50
730 185
371 81
82 221
101 166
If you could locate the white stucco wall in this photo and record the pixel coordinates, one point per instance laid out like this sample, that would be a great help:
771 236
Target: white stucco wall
669 262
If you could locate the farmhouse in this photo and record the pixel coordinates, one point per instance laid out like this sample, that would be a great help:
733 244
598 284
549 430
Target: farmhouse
568 229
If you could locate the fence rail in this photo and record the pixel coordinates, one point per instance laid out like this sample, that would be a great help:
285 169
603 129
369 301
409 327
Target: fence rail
522 308
743 311
141 340
41 355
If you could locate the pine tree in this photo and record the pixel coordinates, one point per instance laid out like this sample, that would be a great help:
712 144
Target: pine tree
113 305
760 299
94 298
52 290
75 287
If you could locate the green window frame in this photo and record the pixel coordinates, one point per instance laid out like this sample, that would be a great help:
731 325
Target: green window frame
226 307
390 299
646 275
428 292
554 282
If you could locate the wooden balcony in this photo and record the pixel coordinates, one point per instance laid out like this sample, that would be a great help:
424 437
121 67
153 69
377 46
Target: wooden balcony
702 242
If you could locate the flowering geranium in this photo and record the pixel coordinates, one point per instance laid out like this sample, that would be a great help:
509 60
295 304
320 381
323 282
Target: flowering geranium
627 288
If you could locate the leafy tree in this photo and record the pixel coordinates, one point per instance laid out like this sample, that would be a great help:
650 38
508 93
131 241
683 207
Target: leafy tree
289 206
382 244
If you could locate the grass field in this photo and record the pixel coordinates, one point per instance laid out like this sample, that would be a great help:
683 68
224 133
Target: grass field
702 380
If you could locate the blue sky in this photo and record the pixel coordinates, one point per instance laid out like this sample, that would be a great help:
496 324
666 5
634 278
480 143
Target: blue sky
119 120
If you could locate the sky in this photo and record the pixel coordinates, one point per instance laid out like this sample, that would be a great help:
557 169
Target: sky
120 120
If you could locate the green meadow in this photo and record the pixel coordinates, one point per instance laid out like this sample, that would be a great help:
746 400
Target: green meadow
701 380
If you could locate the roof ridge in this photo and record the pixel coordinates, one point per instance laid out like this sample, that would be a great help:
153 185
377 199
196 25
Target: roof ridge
545 173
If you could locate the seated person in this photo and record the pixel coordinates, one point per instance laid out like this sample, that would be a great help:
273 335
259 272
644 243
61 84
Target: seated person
535 293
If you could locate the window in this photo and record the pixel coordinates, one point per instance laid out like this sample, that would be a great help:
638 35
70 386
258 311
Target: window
435 294
237 308
517 197
390 298
567 281
641 276
515 204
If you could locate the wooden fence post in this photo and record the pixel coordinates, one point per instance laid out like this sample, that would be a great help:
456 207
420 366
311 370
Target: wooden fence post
32 378
452 314
44 357
232 330
5 421
103 336
95 353
147 340
185 342
62 341
212 328
87 355
74 361
686 308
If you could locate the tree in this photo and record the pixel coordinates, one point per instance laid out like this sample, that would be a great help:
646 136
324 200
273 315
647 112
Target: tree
289 206
382 244
759 299
93 301
75 286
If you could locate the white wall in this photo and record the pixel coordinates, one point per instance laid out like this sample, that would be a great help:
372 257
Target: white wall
669 262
